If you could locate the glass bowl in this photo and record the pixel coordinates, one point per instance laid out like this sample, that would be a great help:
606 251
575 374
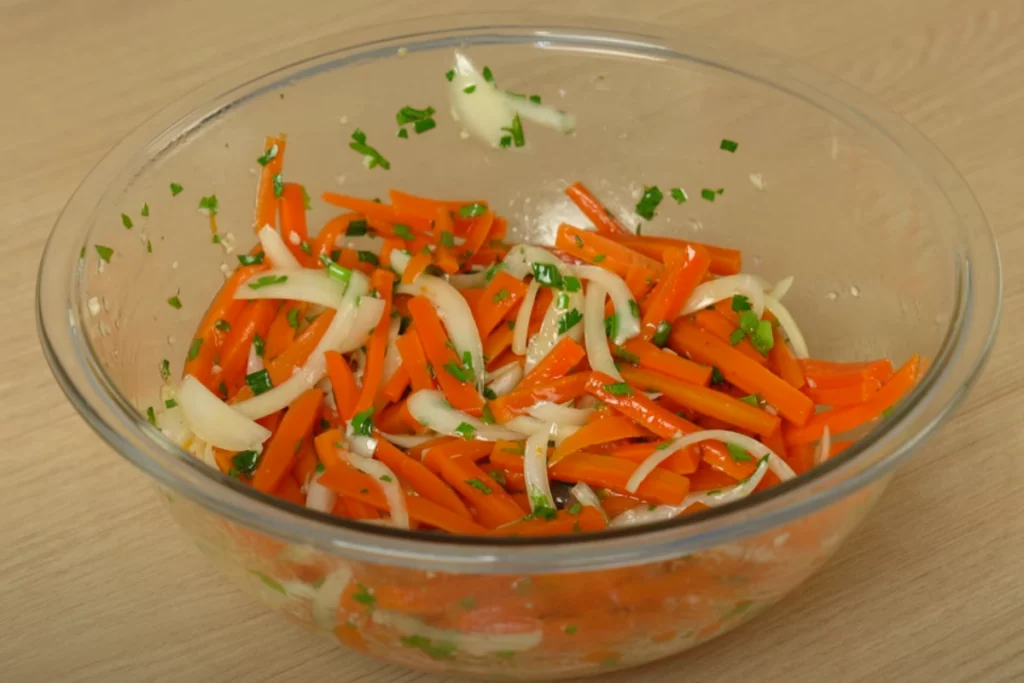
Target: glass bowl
890 251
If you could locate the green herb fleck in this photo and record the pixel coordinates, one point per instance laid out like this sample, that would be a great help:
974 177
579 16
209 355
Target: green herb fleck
661 334
516 131
738 454
678 194
403 231
450 75
245 462
293 318
223 325
209 204
175 302
569 320
151 416
364 597
368 257
176 189
257 344
472 210
479 486
359 145
362 423
618 389
268 280
104 252
729 145
165 369
575 509
126 221
707 194
268 156
488 76
145 211
441 650
278 185
403 133
466 430
251 259
648 203
259 382
469 89
740 303
447 239
547 274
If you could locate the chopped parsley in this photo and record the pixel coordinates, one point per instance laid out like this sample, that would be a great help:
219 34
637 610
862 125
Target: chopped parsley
170 403
634 308
403 231
424 125
458 372
336 272
501 295
278 185
386 478
409 114
752 400
611 326
575 509
368 257
466 430
363 596
571 629
145 211
251 259
562 302
223 325
175 302
489 394
165 369
355 228
257 344
571 283
440 650
648 203
740 303
678 194
268 280
151 416
268 156
515 132
209 204
104 252
479 486
729 145
707 194
245 462
259 382
716 376
618 389
626 356
738 454
447 239
498 476
488 76
661 334
472 210
293 318
362 423
599 258
736 337
469 89
176 189
373 157
450 75
569 320
547 274
126 221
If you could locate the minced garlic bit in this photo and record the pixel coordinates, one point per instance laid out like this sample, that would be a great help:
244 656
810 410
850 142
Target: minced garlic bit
855 291
831 296
757 180
94 306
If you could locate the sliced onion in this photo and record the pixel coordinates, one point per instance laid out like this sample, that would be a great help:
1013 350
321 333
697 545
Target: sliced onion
430 409
468 280
522 324
519 260
400 260
542 114
824 448
661 454
217 423
586 497
725 288
475 644
535 468
505 378
366 318
406 440
306 284
276 250
388 483
174 425
392 357
788 325
781 288
328 598
255 361
562 415
318 496
549 336
483 111
598 355
622 298
457 317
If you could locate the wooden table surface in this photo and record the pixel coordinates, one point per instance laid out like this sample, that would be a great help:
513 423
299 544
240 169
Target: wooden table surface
97 584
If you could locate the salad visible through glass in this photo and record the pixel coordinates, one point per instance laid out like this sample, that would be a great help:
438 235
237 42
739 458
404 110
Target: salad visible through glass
409 366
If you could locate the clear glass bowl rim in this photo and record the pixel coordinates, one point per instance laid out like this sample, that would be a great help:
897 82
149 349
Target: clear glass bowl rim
79 372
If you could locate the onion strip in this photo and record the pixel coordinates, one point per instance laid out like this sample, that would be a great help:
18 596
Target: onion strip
788 325
587 498
622 298
388 483
535 468
305 284
276 250
522 324
431 410
727 287
598 355
217 423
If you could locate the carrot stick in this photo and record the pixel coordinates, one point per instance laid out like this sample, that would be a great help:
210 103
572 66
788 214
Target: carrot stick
297 353
721 327
601 217
839 397
266 201
502 293
494 507
453 447
409 204
601 431
305 462
705 401
293 222
326 242
588 519
496 343
461 394
824 374
477 235
327 446
666 301
661 486
414 360
254 319
650 357
559 390
594 248
844 419
717 455
383 281
420 478
683 461
782 362
707 478
740 371
396 386
724 261
282 333
559 362
378 212
288 489
637 406
396 419
417 264
472 296
343 383
355 509
279 453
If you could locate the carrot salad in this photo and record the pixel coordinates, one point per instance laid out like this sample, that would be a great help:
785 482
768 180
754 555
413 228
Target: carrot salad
409 366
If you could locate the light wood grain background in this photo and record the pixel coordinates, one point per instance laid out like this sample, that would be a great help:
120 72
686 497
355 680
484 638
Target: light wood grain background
96 584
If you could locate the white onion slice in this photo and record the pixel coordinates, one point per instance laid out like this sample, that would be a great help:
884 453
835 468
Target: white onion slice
586 497
522 324
432 410
318 496
549 336
535 468
781 288
366 318
306 284
328 598
217 423
400 260
457 317
654 459
643 515
392 358
542 114
727 287
788 325
484 111
519 260
174 425
388 483
406 440
622 298
276 250
824 448
504 379
598 355
563 415
468 280
475 644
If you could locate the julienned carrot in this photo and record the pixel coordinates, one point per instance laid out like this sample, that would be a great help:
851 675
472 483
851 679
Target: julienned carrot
420 478
502 293
375 211
396 385
559 390
714 322
651 357
328 240
721 458
661 486
327 449
343 384
723 261
782 361
475 238
382 280
741 371
707 478
289 489
396 419
472 296
354 509
601 217
254 319
414 360
493 506
668 297
283 328
417 264
637 406
305 462
559 362
683 461
203 350
564 522
603 251
842 420
455 379
454 447
279 453
353 484
704 401
410 204
824 374
272 161
841 397
601 431
293 222
297 353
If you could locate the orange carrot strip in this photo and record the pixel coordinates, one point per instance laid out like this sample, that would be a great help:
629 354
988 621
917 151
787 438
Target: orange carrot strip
718 456
844 419
559 390
293 222
396 419
327 240
661 486
472 296
801 456
559 362
409 204
839 397
417 264
721 327
666 301
297 353
783 363
599 250
446 260
651 357
683 461
279 453
588 519
343 384
326 446
420 478
462 395
494 507
282 333
477 235
496 342
741 371
594 210
707 478
637 406
414 360
455 447
305 462
383 281
359 510
396 386
724 261
705 401
598 432
289 489
378 212
254 319
266 201
824 374
502 293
